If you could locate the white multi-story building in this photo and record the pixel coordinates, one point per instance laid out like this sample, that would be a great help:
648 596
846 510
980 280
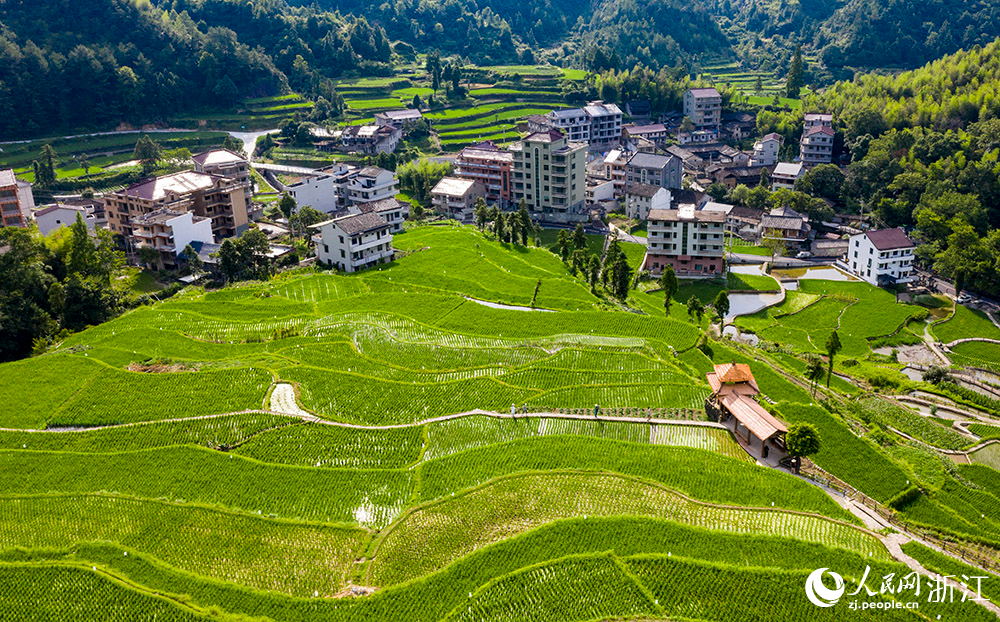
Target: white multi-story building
550 175
170 232
882 257
355 242
704 108
16 200
691 241
785 175
372 184
816 144
392 210
765 150
640 199
605 123
597 123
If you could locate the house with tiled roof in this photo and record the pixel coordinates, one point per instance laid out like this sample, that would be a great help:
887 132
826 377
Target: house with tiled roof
882 257
354 242
816 144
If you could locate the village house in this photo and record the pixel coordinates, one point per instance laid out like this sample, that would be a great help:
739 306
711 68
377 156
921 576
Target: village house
744 222
816 144
209 196
598 124
732 176
883 257
704 107
550 176
53 217
372 184
456 197
641 198
169 232
765 150
16 200
226 163
398 118
392 210
653 169
325 190
656 132
689 240
490 166
370 139
785 174
787 226
354 242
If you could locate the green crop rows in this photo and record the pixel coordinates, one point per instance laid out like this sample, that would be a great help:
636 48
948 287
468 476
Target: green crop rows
181 495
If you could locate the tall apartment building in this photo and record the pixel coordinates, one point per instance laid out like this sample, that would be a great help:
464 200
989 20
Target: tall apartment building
654 169
16 200
490 166
210 196
883 257
355 242
170 232
372 184
597 123
227 164
550 175
689 240
816 144
704 108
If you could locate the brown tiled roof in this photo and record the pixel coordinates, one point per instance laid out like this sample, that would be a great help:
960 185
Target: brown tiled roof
360 223
761 423
180 183
889 239
549 136
217 156
734 372
383 205
642 190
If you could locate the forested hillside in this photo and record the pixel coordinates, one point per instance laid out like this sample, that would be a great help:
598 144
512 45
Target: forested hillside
904 33
925 150
70 64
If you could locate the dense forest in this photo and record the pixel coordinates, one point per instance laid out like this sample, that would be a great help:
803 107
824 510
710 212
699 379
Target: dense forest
67 64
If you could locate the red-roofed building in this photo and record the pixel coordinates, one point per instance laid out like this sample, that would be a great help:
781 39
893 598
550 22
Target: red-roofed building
733 390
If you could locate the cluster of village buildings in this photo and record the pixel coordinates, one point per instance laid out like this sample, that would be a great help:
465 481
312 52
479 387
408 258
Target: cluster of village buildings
572 164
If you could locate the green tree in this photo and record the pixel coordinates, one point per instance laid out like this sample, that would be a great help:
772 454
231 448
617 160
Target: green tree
579 237
669 284
194 262
527 225
149 256
287 206
695 308
45 171
765 178
814 371
593 272
234 145
802 439
833 346
481 213
147 153
687 125
795 79
564 244
721 305
621 277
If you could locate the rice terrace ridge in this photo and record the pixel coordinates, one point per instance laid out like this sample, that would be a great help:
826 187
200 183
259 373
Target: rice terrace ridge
438 312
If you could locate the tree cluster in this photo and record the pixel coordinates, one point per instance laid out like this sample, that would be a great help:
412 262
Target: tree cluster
50 285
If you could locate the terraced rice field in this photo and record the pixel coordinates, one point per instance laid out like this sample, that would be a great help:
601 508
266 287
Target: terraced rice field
181 496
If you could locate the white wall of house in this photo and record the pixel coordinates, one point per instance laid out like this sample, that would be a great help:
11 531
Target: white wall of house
319 193
637 206
186 230
50 220
868 263
353 253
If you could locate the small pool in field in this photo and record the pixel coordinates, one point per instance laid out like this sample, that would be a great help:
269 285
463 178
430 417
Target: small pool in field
826 273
